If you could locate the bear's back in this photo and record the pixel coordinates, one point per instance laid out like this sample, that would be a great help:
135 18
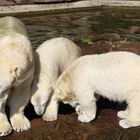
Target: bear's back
58 50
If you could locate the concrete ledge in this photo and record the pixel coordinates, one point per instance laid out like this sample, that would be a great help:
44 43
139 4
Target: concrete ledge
62 6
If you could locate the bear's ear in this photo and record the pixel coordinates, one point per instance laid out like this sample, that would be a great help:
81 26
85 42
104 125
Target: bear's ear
14 72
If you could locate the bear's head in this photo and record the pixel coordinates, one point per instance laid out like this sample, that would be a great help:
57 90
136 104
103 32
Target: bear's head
63 88
40 97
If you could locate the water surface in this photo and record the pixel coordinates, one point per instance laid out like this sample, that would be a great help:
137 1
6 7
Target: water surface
76 25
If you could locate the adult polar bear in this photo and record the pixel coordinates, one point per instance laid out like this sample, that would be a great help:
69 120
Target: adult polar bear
16 73
52 57
115 75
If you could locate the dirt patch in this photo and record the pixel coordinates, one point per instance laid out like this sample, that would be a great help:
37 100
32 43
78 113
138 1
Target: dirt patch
103 43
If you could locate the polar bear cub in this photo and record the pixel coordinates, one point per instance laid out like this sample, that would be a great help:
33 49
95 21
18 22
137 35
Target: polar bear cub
16 74
114 75
52 57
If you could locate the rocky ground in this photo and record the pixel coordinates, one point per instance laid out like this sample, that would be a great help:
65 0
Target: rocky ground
105 126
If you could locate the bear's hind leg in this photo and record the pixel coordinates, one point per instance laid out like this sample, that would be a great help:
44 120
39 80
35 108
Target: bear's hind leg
5 127
18 101
132 119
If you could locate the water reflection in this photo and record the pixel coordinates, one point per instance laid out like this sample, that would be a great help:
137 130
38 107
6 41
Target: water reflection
124 21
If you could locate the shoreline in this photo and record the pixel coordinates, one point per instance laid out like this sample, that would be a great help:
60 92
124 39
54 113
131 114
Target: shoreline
66 6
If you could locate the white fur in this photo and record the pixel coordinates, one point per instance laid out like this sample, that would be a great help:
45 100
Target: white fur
16 74
52 57
114 75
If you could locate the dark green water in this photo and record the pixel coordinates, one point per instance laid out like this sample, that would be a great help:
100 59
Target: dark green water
76 25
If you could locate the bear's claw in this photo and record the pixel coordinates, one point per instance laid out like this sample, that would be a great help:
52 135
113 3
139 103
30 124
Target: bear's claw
20 123
5 129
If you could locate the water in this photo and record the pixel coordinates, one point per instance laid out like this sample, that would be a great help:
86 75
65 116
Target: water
76 25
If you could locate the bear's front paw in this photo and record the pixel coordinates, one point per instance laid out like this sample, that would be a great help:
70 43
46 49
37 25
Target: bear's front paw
50 116
84 118
5 128
20 123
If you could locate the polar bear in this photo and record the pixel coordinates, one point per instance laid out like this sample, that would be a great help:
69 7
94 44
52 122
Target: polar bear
114 75
51 58
16 74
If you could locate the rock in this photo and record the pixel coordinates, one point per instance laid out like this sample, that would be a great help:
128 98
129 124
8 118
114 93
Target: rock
50 1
